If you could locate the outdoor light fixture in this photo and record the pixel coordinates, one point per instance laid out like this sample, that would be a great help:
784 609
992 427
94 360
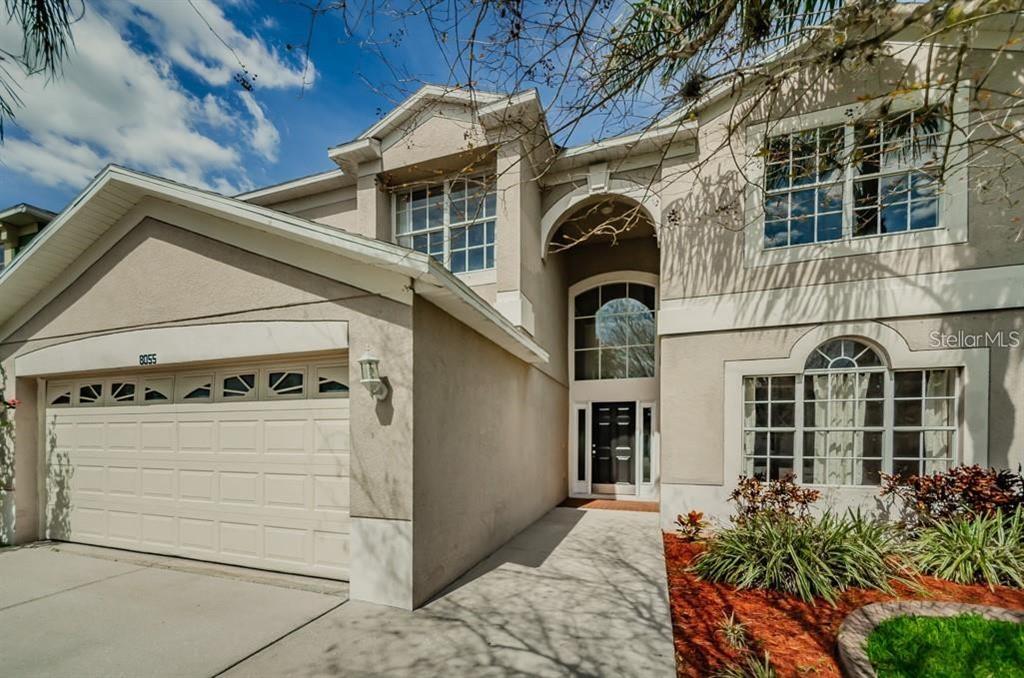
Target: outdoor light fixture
369 376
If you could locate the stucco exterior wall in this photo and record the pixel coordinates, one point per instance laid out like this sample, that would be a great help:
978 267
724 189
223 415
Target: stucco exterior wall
693 399
490 448
703 193
335 207
160 275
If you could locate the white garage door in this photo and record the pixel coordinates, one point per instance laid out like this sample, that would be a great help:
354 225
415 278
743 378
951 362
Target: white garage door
244 465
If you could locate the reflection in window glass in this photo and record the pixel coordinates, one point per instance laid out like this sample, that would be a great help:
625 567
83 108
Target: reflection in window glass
614 332
461 237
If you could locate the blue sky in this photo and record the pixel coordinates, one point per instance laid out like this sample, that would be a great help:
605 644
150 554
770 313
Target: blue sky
151 87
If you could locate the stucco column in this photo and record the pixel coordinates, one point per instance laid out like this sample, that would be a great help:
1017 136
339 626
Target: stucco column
372 203
28 423
381 463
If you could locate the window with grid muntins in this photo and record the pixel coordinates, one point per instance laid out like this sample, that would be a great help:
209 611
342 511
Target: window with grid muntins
871 178
843 415
453 221
769 426
804 188
924 421
614 332
895 167
851 420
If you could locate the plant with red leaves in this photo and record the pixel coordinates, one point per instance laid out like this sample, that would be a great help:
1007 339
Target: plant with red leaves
782 498
691 527
960 492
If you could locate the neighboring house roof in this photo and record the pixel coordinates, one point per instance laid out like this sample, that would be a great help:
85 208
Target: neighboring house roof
24 214
45 267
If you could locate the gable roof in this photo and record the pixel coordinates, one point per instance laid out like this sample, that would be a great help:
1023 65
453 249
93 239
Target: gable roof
493 110
421 99
24 214
39 274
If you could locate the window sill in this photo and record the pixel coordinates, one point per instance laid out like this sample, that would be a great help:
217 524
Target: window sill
873 244
476 278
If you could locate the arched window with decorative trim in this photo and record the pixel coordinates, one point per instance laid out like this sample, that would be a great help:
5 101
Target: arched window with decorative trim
614 331
844 414
848 418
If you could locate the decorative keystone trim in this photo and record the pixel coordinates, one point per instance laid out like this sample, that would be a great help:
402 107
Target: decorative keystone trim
853 634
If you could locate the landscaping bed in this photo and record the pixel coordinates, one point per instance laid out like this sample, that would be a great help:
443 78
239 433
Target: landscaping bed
799 637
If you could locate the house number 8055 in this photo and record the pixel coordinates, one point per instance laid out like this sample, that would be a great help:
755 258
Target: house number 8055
147 358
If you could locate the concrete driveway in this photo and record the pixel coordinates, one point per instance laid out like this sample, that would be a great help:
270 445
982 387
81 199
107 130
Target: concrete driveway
78 611
579 593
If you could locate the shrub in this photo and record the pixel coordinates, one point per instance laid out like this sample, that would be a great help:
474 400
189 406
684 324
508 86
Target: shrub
810 558
779 498
751 666
983 549
691 526
734 632
960 492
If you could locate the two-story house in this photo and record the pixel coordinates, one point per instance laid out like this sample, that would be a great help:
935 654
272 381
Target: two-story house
384 371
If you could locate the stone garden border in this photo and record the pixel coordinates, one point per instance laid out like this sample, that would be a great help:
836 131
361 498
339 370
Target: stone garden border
855 629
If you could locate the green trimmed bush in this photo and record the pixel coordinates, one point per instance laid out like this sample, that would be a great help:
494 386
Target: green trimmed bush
812 558
974 550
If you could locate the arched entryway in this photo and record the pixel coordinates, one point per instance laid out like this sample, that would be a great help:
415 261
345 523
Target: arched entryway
608 247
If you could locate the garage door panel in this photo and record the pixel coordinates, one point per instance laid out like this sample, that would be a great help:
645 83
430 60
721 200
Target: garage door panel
261 483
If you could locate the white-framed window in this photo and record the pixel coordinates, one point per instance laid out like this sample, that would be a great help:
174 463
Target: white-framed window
59 395
848 418
882 172
195 388
156 390
866 177
320 379
453 221
237 385
90 393
122 392
331 380
284 382
614 332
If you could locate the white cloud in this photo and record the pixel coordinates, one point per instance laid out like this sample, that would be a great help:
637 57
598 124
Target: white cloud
262 134
116 104
196 35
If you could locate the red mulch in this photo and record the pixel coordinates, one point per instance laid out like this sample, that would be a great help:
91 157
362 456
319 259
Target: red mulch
799 638
612 504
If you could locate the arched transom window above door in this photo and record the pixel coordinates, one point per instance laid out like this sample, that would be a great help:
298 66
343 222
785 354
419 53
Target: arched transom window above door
614 332
849 417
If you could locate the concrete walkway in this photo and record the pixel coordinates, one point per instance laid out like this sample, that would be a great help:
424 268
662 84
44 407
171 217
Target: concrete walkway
579 593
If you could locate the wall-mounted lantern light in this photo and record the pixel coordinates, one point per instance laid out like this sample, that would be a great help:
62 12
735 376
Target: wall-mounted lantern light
369 376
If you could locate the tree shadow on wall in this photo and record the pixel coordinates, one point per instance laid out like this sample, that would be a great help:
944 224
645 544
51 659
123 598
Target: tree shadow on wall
6 479
58 486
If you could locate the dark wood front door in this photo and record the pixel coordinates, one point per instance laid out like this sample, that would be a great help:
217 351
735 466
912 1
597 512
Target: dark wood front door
613 439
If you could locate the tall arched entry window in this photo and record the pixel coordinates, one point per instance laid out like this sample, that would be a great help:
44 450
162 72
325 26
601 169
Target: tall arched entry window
614 332
613 367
